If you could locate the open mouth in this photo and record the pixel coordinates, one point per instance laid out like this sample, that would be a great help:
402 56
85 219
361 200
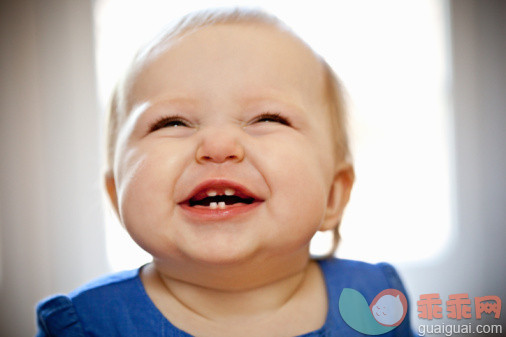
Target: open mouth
220 198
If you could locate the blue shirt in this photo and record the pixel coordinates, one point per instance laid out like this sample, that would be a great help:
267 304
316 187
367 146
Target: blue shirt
118 305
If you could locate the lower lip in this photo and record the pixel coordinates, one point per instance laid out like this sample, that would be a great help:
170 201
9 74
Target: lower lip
217 214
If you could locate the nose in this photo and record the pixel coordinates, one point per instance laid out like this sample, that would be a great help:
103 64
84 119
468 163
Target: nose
219 145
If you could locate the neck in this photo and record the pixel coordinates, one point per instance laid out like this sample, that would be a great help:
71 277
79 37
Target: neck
220 292
236 276
218 304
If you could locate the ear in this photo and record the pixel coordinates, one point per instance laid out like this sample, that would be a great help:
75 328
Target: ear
110 187
338 196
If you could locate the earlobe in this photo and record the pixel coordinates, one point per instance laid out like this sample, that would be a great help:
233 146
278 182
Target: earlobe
110 187
339 195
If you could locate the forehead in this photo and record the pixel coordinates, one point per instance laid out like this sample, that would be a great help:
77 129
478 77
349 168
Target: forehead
229 58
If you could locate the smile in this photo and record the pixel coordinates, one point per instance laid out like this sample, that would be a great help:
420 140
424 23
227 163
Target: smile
219 199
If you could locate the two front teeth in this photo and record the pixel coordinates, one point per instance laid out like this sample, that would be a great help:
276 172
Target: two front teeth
215 205
221 204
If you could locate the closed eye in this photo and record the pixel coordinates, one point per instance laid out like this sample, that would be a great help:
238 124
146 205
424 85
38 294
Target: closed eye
269 117
169 122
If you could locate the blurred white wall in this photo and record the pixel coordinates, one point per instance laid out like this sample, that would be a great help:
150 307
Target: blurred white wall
50 208
476 263
51 225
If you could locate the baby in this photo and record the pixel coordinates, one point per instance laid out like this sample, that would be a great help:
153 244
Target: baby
227 152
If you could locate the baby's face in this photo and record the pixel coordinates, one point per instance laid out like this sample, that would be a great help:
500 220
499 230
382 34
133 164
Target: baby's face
227 151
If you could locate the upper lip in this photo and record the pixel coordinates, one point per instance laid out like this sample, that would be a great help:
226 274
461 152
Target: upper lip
240 190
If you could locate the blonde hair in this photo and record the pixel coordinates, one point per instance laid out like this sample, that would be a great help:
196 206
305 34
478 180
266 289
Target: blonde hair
334 92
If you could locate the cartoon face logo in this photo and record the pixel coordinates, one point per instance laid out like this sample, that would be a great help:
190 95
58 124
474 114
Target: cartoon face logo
389 307
386 312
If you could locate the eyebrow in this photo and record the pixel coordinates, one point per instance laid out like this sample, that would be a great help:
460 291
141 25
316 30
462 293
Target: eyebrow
175 100
267 96
145 107
274 96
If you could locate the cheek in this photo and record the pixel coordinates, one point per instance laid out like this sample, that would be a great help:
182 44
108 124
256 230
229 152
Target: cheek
145 208
144 191
304 196
137 195
299 184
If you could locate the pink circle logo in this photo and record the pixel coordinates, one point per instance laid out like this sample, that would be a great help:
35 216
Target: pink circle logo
389 307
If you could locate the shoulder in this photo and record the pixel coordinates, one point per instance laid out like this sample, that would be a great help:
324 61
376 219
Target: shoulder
360 274
63 315
106 284
108 292
112 282
352 265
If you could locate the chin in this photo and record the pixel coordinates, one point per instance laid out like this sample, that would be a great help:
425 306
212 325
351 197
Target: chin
222 256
